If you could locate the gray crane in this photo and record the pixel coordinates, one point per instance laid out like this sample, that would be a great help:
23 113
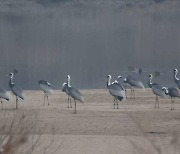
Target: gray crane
116 90
172 92
15 90
117 82
65 89
176 79
123 85
74 93
156 89
133 82
46 87
4 94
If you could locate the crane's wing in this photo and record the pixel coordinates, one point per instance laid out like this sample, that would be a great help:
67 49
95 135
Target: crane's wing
116 90
75 93
5 94
121 87
137 83
178 84
175 92
45 86
18 92
157 90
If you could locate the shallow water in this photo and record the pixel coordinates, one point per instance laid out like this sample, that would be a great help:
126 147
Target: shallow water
48 39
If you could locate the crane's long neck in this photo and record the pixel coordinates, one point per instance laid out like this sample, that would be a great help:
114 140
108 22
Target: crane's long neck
109 81
125 80
150 82
166 91
68 81
11 80
175 76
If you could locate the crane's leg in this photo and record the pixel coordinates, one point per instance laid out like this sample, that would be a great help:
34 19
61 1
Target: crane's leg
1 104
171 102
125 93
75 106
44 97
117 104
16 102
158 102
155 101
70 102
114 102
133 93
47 98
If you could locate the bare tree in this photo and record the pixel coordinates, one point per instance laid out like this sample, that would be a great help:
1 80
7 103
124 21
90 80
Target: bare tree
21 130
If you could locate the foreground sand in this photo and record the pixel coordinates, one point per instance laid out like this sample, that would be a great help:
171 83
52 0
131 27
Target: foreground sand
136 127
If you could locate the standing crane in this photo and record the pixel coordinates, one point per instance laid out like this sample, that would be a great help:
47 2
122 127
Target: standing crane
156 89
46 88
74 93
15 89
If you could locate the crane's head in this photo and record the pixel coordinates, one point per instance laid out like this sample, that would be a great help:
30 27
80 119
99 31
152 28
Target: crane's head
150 76
175 70
125 80
11 75
68 77
109 76
119 76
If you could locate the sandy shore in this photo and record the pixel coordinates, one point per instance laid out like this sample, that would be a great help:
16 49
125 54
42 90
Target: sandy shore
136 127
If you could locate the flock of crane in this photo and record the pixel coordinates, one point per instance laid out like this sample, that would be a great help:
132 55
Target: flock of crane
119 92
116 89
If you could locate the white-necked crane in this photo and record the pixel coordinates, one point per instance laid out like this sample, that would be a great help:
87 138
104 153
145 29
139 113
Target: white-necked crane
15 89
46 88
74 93
172 92
116 90
156 89
133 82
65 89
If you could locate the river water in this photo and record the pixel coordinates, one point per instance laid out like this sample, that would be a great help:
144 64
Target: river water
88 39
